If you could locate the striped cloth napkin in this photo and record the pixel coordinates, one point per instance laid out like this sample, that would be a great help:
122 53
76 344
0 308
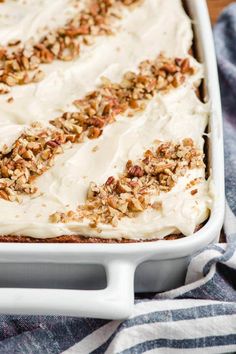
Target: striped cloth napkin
199 317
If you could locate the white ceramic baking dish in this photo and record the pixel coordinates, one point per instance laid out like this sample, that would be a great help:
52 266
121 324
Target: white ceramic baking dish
47 278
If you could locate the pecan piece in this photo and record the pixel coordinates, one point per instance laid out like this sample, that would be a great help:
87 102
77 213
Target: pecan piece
4 195
185 66
94 132
96 122
194 191
53 143
135 171
110 180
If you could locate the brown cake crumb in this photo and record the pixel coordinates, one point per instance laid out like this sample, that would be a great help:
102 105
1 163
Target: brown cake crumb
78 239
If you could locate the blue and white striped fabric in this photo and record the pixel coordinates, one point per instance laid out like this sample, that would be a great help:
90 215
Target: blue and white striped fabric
199 317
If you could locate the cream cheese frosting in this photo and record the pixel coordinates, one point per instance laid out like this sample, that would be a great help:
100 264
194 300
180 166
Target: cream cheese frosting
143 32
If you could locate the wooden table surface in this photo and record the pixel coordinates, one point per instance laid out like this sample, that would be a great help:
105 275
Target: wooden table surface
216 6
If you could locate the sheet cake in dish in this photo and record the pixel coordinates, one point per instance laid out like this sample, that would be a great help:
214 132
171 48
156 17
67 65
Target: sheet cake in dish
101 131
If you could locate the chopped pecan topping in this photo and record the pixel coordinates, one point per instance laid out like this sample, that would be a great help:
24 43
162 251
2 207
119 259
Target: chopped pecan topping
19 63
30 156
157 171
101 107
34 151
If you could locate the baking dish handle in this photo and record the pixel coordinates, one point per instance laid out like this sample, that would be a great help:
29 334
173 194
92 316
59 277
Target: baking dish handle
113 302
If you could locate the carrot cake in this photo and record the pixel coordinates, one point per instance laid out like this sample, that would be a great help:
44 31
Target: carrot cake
101 131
